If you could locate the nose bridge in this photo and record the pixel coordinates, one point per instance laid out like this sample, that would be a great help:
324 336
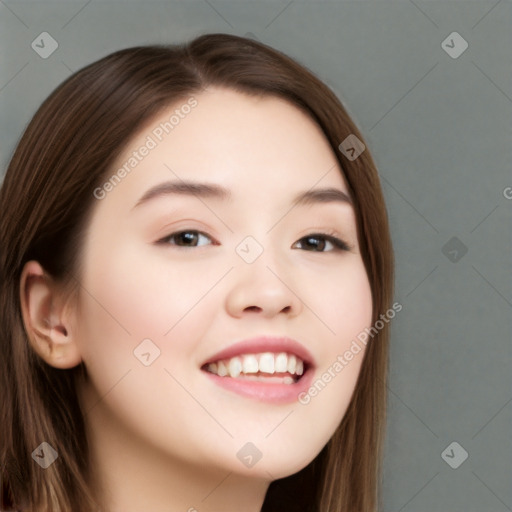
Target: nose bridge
263 251
251 249
259 239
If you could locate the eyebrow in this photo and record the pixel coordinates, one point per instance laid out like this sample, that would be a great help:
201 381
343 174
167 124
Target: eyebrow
213 191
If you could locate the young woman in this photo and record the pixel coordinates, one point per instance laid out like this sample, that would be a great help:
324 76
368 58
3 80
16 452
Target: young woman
196 280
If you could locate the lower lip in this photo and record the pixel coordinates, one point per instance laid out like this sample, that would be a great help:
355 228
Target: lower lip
265 391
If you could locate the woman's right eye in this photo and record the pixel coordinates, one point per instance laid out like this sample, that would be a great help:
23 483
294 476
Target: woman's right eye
185 238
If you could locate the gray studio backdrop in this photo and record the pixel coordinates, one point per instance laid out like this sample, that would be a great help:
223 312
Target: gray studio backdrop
428 83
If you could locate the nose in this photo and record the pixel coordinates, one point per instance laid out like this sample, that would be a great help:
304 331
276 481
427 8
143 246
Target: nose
263 287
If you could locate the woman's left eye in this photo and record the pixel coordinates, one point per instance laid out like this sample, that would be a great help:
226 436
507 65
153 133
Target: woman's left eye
336 243
317 241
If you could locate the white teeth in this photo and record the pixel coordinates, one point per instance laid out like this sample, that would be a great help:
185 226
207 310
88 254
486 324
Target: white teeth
292 362
267 364
281 362
221 369
235 367
250 364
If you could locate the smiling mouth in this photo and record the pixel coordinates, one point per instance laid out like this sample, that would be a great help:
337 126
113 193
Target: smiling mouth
281 367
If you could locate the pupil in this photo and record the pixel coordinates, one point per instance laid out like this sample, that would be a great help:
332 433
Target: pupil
187 236
314 242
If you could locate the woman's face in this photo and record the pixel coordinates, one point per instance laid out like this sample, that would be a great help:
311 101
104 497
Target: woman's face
155 309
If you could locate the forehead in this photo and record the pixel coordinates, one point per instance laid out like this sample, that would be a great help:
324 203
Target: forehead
246 143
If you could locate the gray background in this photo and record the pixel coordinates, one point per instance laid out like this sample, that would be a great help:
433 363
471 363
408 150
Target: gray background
440 131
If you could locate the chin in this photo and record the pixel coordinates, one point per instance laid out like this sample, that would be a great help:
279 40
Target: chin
277 467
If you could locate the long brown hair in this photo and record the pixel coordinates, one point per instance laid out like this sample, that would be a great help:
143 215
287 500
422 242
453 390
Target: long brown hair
46 200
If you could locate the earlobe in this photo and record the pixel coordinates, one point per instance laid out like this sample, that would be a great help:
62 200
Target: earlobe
45 318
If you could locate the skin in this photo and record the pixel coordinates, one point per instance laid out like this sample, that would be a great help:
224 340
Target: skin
164 437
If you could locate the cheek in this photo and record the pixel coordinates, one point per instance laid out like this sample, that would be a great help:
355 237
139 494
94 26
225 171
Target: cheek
127 302
345 308
342 302
351 317
134 296
140 295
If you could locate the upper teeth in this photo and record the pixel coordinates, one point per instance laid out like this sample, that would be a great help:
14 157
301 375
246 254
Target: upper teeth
266 362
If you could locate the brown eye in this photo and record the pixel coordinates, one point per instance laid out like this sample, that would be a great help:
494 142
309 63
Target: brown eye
185 238
318 242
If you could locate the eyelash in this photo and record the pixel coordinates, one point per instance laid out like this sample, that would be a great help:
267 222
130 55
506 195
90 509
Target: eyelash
338 243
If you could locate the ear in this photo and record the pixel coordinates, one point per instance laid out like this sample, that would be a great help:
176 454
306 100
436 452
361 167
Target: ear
44 312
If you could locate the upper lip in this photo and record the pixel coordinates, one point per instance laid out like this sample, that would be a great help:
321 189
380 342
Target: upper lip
267 343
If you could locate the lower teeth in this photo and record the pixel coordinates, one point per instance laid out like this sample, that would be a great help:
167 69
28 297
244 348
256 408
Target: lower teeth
270 379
